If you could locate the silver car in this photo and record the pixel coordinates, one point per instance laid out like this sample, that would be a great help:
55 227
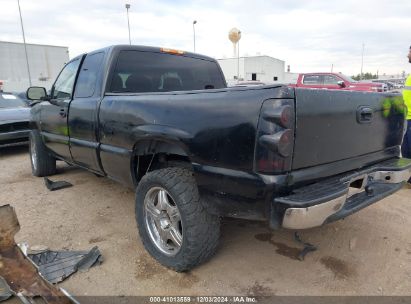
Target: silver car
14 120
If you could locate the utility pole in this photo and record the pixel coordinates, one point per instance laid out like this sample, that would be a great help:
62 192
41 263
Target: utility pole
24 42
194 34
128 22
332 67
362 60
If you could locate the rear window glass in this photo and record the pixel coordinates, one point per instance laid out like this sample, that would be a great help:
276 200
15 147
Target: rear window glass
10 101
157 72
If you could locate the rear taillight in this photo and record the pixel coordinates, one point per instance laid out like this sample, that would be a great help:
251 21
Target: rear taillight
282 115
275 136
280 142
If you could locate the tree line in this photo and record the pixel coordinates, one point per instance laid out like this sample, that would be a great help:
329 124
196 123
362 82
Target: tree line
365 76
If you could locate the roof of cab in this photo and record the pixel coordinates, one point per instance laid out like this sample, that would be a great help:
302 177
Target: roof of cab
142 48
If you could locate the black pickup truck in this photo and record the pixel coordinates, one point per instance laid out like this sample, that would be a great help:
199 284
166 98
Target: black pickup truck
163 122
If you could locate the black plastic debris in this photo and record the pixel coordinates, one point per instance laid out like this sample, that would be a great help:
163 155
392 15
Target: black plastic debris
5 291
307 247
56 266
19 272
53 186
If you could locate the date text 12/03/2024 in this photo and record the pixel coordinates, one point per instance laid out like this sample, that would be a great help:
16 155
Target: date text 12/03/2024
204 299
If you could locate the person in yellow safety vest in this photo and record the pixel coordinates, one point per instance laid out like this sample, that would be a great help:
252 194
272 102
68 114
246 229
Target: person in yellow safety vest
406 93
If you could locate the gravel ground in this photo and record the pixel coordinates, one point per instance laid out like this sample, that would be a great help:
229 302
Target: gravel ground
368 253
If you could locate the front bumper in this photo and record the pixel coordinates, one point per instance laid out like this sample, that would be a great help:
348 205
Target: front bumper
338 197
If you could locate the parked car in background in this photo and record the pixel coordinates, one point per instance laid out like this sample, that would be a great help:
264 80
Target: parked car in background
23 97
398 85
390 85
336 81
14 120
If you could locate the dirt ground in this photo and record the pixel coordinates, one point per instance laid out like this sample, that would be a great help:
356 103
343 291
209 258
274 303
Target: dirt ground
368 253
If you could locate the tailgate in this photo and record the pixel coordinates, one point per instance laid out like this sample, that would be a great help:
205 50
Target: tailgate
334 125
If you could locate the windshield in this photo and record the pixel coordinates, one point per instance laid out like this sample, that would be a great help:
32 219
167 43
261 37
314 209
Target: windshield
10 101
348 78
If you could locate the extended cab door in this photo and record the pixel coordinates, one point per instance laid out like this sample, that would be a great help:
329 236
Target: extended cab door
83 113
53 117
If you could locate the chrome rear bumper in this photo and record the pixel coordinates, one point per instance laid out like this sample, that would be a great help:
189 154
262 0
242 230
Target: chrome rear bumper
338 198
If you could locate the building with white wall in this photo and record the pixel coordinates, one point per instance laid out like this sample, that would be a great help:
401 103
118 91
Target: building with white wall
260 68
290 77
45 62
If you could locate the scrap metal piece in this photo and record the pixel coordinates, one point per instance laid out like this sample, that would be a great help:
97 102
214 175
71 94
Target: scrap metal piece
307 247
5 291
19 272
53 186
56 266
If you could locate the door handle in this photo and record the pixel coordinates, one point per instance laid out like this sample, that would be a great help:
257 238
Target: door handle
63 113
365 114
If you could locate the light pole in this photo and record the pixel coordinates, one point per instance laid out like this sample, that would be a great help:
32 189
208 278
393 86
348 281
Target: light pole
362 60
194 34
24 42
128 22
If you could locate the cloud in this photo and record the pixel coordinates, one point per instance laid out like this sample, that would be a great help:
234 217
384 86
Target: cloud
308 35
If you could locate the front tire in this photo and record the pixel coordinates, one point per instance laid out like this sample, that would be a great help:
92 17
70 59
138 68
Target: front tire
173 225
42 163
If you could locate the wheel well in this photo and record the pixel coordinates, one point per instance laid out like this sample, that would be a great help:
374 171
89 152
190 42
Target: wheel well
150 155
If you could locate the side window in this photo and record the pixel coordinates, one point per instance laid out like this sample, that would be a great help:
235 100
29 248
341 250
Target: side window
87 79
331 79
312 79
63 87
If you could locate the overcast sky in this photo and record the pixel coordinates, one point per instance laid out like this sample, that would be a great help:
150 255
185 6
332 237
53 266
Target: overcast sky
308 35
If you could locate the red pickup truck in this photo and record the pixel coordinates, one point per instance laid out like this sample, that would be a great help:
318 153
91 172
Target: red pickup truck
336 81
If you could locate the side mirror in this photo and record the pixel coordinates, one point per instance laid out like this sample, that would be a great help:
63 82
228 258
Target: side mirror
36 93
341 83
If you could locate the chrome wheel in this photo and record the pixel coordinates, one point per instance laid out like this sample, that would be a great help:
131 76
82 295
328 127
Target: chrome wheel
33 154
163 221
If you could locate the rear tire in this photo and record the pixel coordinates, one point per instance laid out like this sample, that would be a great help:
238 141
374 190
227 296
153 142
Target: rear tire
174 191
42 163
